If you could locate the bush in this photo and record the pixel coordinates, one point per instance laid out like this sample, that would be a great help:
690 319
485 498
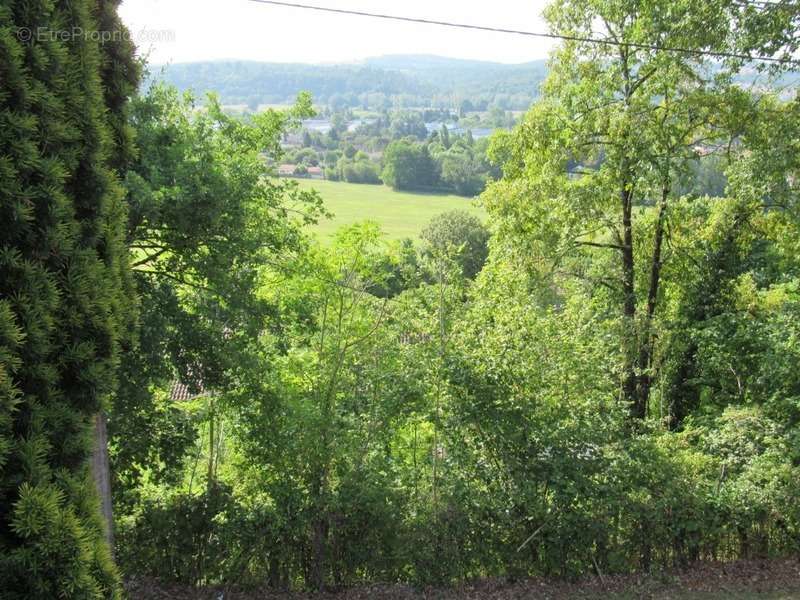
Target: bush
178 538
361 172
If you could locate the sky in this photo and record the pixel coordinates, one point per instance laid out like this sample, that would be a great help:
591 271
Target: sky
173 31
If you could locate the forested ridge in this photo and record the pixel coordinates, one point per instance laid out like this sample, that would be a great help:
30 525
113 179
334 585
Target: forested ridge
601 380
381 82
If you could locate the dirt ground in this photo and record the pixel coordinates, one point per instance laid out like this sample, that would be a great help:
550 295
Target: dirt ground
764 579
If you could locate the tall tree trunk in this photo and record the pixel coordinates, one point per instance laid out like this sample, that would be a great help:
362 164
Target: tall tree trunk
647 340
628 301
629 345
101 473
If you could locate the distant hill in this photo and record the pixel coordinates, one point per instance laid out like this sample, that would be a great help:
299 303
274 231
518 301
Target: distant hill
469 78
382 82
431 62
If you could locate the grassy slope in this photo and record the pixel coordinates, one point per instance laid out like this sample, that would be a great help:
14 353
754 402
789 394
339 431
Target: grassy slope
399 214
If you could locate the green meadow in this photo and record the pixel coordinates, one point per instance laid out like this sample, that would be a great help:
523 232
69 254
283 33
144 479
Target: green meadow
399 214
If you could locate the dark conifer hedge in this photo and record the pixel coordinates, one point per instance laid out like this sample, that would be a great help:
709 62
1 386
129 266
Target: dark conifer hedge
65 300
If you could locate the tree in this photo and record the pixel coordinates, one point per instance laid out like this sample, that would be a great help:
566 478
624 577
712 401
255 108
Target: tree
409 166
407 123
768 28
205 218
66 299
444 136
350 150
735 252
618 126
331 382
462 172
460 232
359 171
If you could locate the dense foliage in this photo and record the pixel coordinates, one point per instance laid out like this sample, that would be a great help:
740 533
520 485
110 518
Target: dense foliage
606 383
65 287
203 220
602 380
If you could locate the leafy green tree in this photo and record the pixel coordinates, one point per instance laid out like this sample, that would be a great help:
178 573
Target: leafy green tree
350 151
327 452
409 166
205 218
734 276
535 416
307 156
359 171
768 28
407 123
66 299
444 136
462 172
618 126
459 232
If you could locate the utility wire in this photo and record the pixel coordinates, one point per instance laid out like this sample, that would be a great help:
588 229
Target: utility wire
555 36
767 6
766 3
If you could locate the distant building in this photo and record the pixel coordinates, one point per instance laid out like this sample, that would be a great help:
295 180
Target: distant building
354 125
702 150
321 125
183 392
454 128
291 170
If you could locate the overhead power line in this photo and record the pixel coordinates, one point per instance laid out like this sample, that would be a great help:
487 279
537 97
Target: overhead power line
538 34
766 3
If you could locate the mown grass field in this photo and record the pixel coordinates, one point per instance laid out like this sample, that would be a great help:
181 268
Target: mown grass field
399 214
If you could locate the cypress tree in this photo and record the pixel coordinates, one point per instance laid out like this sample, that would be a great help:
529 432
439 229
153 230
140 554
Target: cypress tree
65 301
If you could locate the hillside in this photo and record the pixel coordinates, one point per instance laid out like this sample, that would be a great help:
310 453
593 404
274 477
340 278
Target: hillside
466 77
382 82
393 81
